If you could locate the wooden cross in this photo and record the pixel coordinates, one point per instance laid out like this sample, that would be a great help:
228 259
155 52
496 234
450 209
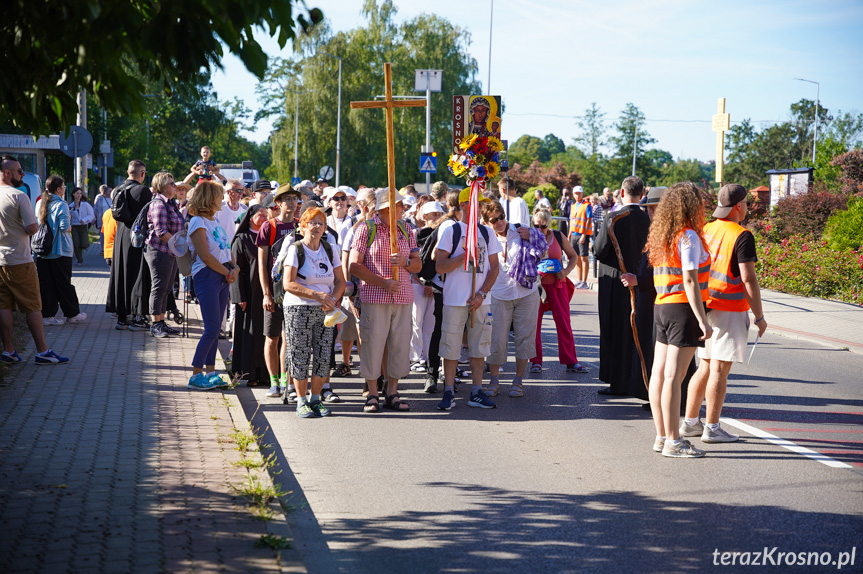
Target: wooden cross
721 121
389 104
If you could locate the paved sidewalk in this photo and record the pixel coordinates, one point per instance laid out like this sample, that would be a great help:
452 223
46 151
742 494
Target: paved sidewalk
109 464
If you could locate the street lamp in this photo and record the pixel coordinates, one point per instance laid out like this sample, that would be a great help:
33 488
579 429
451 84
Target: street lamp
490 28
297 128
815 132
338 116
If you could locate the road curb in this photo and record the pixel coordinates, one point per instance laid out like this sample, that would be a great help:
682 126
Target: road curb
290 559
829 342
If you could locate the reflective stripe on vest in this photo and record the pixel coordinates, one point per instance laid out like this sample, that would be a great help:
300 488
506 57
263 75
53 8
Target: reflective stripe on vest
579 221
726 291
668 280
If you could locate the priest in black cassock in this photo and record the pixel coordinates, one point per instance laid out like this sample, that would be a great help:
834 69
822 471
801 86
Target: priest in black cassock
615 333
126 265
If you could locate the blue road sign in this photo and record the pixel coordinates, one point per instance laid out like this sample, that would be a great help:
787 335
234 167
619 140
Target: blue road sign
295 180
428 163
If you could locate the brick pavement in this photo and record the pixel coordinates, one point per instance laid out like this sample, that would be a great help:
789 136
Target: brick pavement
109 464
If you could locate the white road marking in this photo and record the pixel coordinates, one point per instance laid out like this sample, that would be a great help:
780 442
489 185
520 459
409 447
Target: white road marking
784 443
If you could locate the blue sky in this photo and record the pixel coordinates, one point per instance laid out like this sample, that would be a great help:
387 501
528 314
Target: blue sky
671 58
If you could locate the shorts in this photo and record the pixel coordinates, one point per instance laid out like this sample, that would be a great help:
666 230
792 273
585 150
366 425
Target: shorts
677 325
274 322
19 286
581 249
349 330
730 334
453 323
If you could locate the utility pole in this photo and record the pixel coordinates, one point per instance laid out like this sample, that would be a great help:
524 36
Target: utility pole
428 81
490 26
80 177
634 145
817 100
297 127
338 118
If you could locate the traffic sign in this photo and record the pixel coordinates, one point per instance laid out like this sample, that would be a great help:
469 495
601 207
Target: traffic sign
77 142
428 163
327 172
295 180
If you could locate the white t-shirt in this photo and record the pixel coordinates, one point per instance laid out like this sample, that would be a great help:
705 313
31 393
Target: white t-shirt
457 286
506 288
691 250
541 203
317 271
516 211
227 218
217 242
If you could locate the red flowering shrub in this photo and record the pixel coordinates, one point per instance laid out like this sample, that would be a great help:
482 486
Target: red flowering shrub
851 164
805 266
804 215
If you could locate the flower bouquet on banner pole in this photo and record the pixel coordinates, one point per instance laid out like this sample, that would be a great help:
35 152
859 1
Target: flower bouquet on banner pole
478 161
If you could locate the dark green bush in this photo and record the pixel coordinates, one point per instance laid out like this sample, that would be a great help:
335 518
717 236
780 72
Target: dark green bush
845 228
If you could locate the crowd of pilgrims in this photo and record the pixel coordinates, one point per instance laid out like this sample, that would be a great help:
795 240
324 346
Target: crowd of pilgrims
299 277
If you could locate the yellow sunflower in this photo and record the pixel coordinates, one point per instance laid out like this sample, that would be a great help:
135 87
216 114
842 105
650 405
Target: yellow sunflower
468 141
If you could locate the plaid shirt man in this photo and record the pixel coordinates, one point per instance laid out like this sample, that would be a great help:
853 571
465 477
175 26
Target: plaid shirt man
162 219
377 260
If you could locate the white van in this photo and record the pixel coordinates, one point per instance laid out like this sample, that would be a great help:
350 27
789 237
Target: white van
242 171
32 186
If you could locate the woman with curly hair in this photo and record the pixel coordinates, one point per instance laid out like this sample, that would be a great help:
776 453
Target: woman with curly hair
681 265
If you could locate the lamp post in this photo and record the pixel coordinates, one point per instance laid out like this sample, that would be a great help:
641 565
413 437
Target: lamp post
338 117
297 126
490 27
815 132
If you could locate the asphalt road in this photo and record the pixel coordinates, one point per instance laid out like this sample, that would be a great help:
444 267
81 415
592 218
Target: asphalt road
565 480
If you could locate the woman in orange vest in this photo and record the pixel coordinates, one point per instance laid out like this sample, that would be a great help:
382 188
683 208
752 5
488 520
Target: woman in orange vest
681 267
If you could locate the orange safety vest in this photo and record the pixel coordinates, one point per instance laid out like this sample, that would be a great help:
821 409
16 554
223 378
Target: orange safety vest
578 220
726 291
668 279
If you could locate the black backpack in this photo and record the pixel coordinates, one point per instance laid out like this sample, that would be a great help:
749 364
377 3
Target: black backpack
120 208
278 281
428 271
140 227
43 240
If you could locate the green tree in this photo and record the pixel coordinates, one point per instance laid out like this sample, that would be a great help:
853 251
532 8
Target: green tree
803 123
528 149
592 136
165 44
630 128
553 145
424 42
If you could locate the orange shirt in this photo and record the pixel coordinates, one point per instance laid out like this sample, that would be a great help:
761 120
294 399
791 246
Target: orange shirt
109 229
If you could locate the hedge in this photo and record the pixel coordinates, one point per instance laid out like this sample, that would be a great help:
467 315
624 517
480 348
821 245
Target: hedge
804 266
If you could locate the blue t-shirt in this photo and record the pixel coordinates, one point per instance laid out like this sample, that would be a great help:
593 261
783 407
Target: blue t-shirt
217 242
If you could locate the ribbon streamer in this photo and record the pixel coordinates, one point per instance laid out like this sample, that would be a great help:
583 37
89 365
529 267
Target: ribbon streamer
471 248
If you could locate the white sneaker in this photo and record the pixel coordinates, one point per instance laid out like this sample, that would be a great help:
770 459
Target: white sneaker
48 321
78 318
718 435
464 359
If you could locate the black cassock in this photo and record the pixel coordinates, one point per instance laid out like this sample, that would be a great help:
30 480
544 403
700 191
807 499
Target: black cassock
127 261
248 359
615 332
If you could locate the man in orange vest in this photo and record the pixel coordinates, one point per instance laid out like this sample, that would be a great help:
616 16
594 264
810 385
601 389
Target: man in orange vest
734 290
580 231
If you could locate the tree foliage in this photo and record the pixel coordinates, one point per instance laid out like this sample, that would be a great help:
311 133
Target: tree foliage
114 48
424 42
845 228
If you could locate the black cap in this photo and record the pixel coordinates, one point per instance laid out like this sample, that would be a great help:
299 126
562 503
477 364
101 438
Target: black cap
262 185
729 195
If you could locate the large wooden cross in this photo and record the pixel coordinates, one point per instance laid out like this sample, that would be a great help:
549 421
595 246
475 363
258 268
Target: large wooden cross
721 122
388 103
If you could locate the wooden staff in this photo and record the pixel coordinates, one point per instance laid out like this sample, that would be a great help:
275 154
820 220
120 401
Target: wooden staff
611 221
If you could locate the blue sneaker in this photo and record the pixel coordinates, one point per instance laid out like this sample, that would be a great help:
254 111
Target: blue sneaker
10 358
447 402
481 400
217 381
200 382
49 357
319 409
304 411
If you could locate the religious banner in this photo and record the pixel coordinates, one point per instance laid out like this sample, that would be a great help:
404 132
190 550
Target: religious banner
478 115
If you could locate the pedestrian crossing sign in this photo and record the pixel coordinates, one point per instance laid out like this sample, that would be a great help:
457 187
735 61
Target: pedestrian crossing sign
428 163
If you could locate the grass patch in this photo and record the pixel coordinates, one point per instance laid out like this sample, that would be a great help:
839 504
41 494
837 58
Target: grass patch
273 541
257 492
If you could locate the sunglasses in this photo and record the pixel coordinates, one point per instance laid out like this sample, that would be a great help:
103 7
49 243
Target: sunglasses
235 190
542 226
494 220
341 198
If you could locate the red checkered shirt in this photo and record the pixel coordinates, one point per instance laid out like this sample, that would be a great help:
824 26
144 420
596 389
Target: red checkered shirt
377 260
162 218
